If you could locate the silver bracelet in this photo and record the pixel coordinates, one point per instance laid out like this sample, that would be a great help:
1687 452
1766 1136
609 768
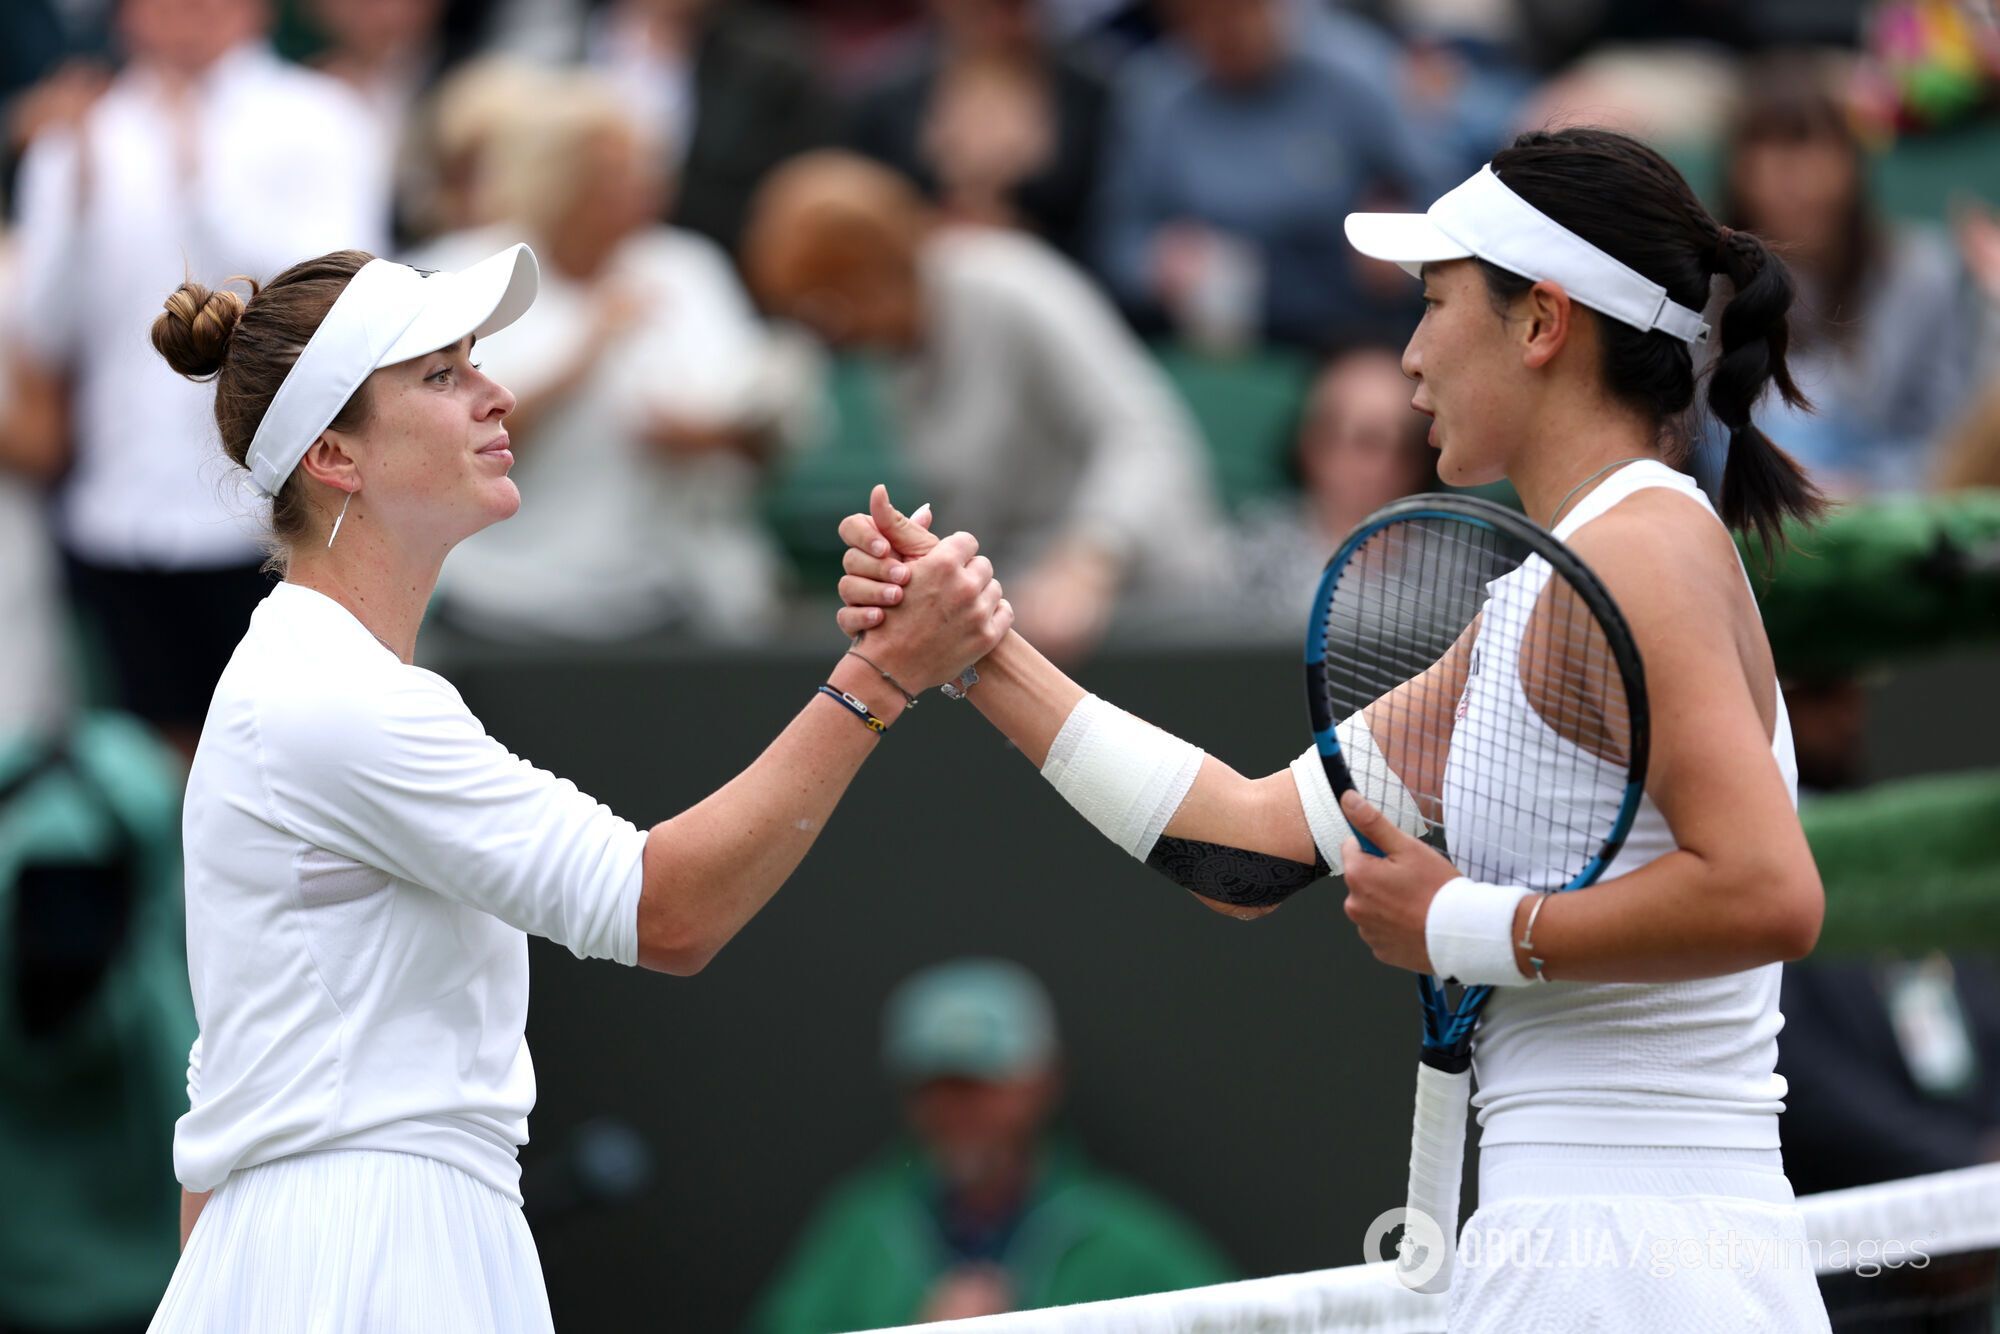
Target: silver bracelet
1527 941
965 682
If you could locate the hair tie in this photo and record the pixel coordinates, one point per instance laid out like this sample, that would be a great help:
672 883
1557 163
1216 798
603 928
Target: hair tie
1723 236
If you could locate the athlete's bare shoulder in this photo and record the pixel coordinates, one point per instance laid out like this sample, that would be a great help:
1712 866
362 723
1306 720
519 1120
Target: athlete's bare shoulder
1660 533
1671 568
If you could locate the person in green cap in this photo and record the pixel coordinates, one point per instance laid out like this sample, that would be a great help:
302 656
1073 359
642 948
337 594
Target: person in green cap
983 1208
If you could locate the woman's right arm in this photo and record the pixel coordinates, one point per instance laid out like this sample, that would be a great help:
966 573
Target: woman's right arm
711 868
397 774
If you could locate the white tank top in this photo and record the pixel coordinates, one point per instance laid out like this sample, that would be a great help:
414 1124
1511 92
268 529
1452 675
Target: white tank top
1675 1063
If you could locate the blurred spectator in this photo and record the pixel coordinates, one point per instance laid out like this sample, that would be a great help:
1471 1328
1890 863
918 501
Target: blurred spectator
725 88
1560 32
43 44
95 1022
992 121
389 52
649 396
1238 147
209 156
1360 445
1970 456
386 50
1028 411
1664 92
857 42
453 133
33 695
1463 76
1976 225
988 1209
1881 334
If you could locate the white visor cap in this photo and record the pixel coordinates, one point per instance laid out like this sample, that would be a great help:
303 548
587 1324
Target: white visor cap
388 313
1483 217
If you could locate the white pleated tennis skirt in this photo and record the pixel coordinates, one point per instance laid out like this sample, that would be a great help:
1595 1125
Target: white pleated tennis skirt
1571 1238
354 1241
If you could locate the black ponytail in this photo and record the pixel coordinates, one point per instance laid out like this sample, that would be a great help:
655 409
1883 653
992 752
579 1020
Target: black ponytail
1762 485
1631 203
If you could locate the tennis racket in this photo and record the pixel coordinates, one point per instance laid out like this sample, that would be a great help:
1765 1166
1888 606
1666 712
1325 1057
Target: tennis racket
1504 708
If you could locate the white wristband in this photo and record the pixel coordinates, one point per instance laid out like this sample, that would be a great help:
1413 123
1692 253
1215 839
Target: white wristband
1122 774
1469 931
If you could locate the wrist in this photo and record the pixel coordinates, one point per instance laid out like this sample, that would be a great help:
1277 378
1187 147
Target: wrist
865 684
1530 918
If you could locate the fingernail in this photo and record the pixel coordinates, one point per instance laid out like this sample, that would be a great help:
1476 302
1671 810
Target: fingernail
894 594
898 573
878 548
873 616
922 510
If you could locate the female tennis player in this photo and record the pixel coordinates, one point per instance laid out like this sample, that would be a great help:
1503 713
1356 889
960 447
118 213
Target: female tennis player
1627 1091
364 862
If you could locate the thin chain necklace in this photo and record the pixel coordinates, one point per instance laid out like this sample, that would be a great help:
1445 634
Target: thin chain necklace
1618 463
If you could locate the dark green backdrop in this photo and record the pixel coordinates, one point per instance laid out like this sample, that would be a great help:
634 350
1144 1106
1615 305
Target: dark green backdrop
1258 1076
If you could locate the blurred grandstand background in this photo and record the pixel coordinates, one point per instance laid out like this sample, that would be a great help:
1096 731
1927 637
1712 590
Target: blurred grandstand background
666 413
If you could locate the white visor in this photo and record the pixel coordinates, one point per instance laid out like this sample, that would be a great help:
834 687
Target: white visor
387 314
1483 217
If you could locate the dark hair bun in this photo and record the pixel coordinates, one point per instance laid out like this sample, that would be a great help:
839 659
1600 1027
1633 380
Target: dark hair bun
192 333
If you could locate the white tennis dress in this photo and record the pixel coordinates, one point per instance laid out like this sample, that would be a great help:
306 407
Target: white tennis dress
1630 1175
363 866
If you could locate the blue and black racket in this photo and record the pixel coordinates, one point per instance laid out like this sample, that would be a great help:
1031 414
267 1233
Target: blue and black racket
1476 682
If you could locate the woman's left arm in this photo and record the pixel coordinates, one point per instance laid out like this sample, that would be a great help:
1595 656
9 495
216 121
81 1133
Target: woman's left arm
1741 889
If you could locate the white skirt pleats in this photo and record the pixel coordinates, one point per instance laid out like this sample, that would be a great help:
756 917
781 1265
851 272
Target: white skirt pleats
347 1241
1584 1239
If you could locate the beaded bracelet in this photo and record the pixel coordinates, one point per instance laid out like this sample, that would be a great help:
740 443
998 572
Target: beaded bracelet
855 707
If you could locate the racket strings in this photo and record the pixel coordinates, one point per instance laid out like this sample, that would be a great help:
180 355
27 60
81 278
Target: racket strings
1491 689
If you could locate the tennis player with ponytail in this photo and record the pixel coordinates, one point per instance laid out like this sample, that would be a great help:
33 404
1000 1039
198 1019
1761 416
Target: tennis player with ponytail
1627 1094
364 863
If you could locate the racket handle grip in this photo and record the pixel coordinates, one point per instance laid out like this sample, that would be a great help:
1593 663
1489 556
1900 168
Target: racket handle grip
1437 1162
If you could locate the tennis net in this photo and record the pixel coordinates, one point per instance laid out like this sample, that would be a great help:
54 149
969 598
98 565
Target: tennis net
1863 1230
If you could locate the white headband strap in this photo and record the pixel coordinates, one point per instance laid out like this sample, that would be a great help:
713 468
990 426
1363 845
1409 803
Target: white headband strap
380 302
1499 226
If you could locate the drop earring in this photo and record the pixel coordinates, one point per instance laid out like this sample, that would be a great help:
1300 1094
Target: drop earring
337 520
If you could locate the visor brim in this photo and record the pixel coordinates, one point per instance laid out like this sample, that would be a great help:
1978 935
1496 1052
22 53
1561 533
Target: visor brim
479 300
1408 240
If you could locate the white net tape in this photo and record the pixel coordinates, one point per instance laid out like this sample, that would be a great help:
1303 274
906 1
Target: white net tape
1944 1214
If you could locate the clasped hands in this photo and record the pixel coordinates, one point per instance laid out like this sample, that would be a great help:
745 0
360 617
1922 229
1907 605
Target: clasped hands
928 606
894 563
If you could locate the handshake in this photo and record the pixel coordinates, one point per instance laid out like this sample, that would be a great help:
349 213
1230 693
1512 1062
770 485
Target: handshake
929 606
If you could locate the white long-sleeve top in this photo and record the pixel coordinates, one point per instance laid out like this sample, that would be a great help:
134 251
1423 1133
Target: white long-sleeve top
275 164
363 866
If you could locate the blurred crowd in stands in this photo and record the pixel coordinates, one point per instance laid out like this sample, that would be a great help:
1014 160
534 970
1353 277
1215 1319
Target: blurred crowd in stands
993 215
1072 252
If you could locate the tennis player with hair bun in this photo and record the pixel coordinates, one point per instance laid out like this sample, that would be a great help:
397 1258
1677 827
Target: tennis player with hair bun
1626 1074
365 863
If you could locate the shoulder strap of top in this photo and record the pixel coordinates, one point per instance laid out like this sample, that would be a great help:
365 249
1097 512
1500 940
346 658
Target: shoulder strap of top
1633 477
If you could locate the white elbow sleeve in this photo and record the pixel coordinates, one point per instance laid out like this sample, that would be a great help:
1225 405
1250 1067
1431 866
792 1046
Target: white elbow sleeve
1372 777
1122 774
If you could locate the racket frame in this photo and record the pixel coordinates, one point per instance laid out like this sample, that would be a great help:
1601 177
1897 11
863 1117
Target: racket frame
1444 1075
